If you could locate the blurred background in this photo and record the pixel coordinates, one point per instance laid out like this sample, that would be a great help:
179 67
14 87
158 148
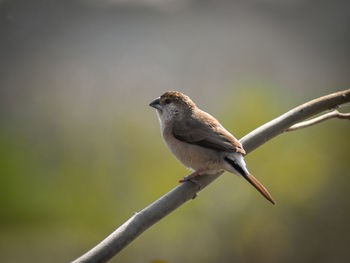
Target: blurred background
80 150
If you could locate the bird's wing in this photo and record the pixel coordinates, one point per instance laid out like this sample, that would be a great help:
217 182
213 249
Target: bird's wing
207 132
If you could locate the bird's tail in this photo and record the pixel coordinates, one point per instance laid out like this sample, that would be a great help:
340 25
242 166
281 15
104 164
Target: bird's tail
258 186
250 178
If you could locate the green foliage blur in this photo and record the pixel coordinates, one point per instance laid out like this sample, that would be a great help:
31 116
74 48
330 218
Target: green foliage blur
68 181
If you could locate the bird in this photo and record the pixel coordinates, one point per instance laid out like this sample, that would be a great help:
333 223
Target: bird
199 141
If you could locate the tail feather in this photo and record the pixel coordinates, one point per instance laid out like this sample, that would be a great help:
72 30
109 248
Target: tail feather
251 179
258 186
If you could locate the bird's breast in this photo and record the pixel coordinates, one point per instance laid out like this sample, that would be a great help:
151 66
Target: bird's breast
192 156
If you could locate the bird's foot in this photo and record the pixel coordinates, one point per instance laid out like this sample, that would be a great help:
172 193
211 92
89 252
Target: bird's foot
191 178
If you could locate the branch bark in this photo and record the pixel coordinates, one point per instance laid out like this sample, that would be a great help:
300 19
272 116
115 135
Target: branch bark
148 216
322 118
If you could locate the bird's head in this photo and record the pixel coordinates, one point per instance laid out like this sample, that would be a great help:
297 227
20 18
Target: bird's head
172 105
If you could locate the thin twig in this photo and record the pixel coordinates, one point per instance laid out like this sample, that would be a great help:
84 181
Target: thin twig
329 115
148 216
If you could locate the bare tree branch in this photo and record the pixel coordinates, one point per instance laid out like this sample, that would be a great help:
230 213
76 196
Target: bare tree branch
148 216
324 117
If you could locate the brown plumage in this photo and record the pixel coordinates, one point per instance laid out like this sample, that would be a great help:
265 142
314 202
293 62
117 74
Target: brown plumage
199 141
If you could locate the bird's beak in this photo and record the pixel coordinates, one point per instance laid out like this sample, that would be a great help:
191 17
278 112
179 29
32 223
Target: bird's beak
156 104
254 182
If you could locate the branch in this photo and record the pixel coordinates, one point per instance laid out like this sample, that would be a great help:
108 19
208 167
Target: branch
148 216
329 115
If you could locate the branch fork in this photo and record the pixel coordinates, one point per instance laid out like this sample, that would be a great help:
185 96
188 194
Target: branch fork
319 119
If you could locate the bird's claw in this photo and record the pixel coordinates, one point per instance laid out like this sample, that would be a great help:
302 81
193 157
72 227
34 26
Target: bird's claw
191 180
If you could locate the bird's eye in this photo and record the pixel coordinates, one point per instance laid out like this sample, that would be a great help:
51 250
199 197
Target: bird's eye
167 101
